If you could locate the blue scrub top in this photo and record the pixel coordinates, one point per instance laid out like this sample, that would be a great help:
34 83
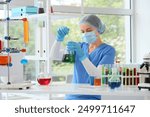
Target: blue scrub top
104 54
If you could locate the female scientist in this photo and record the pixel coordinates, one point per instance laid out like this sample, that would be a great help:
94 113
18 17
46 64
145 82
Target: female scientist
89 54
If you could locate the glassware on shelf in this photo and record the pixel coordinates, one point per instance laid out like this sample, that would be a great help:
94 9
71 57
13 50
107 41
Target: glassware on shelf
40 7
114 81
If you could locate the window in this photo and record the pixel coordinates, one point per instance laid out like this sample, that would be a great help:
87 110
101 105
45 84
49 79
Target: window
108 3
1 31
116 14
66 2
114 35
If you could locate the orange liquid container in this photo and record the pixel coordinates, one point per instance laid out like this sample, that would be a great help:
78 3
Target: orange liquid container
97 82
26 31
5 60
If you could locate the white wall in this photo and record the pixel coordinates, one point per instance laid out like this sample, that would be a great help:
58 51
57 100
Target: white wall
142 29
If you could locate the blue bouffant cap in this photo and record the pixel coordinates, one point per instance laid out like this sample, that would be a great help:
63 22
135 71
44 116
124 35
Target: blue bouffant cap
93 20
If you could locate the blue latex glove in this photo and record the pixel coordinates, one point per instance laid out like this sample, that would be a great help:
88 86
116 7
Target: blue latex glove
61 33
75 47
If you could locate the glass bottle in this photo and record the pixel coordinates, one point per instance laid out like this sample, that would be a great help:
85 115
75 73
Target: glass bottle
114 81
40 7
44 78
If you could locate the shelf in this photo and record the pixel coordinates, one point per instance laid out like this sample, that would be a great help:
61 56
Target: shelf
35 58
54 16
30 16
3 3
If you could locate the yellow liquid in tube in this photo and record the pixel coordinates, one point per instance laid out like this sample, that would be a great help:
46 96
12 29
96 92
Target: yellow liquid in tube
26 32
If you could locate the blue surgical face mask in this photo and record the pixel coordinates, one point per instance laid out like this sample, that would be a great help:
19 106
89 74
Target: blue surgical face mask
89 37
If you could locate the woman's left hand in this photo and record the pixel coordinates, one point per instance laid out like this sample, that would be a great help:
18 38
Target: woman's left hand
75 47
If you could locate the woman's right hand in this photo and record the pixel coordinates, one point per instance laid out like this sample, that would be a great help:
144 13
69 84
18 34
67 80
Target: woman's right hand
61 33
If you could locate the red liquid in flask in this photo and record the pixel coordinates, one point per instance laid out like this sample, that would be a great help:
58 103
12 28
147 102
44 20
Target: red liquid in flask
44 81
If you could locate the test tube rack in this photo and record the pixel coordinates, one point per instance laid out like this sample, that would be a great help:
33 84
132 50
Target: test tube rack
128 74
8 50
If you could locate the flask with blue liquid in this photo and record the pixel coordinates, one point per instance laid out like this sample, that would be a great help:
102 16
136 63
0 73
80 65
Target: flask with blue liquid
114 81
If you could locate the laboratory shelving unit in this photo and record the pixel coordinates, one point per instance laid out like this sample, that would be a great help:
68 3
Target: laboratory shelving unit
7 37
7 50
48 17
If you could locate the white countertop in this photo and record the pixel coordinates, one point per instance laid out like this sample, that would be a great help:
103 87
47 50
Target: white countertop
83 89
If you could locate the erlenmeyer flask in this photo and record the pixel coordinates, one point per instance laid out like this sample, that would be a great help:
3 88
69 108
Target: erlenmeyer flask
114 81
68 57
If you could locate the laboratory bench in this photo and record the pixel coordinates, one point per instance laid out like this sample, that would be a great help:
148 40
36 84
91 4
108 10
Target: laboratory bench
123 92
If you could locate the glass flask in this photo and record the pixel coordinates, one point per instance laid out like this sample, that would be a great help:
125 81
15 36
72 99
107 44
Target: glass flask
68 57
114 81
44 78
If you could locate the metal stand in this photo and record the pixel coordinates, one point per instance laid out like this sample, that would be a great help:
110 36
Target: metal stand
8 50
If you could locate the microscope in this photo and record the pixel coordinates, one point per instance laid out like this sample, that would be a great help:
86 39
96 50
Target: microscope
145 73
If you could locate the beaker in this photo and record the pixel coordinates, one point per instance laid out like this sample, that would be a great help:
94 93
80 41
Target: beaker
97 81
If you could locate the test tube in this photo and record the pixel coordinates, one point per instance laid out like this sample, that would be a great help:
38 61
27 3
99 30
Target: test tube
134 73
120 73
131 79
127 74
103 78
137 78
26 31
110 71
124 74
106 73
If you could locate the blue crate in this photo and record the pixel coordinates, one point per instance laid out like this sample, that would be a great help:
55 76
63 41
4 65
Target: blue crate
27 10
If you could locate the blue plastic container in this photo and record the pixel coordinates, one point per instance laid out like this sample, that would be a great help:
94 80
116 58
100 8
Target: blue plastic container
22 11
